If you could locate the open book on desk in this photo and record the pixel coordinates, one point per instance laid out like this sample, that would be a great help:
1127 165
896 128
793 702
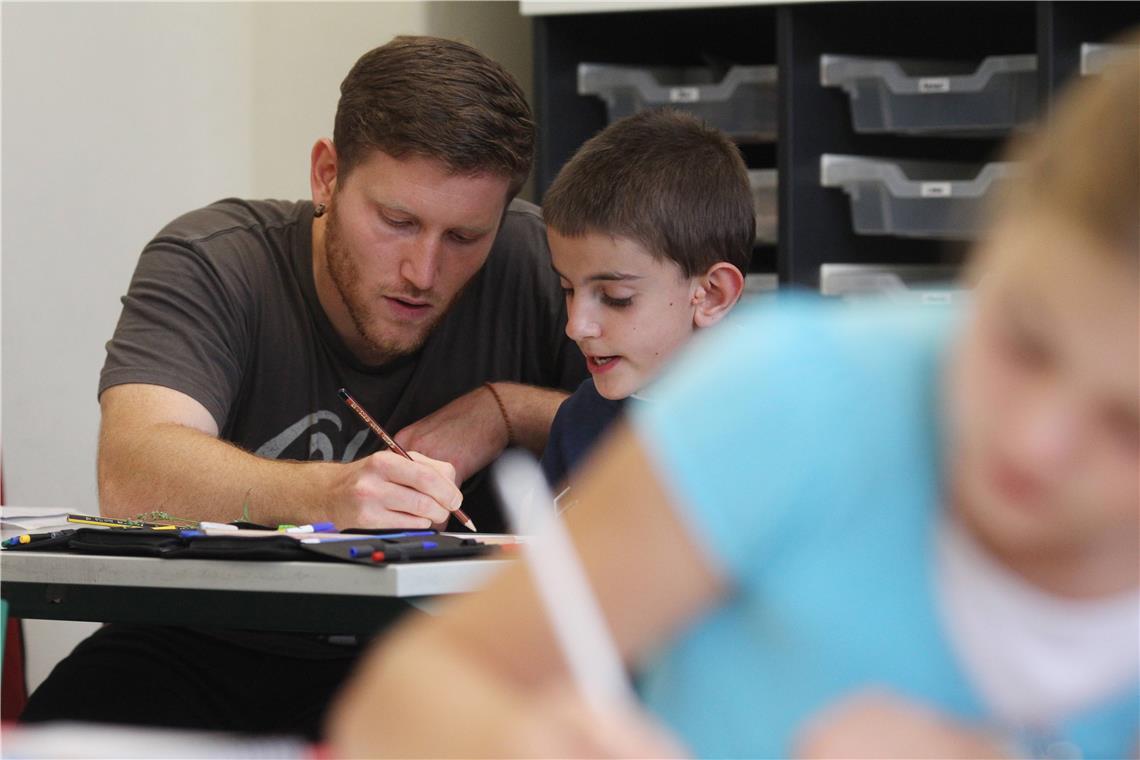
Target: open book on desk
15 521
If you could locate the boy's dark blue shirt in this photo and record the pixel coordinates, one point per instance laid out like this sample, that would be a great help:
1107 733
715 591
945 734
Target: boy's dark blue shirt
580 421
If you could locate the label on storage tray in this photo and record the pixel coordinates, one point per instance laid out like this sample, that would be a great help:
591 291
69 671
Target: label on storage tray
935 190
684 94
933 85
936 298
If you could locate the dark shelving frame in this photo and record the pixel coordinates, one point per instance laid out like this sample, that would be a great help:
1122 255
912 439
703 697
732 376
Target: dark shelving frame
814 221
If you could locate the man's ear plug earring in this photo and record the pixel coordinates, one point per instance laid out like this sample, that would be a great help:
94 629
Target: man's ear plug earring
319 210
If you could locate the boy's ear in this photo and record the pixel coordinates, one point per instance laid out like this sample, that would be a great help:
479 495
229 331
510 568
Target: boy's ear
322 170
717 292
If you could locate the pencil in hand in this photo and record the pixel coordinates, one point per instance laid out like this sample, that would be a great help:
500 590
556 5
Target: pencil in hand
391 442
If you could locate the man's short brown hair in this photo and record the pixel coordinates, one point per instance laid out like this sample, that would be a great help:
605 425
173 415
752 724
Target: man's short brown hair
436 98
665 180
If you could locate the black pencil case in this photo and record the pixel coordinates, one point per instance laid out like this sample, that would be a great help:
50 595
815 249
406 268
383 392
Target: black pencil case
164 543
142 542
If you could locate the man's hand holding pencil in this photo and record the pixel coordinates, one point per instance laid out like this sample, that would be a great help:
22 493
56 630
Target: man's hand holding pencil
386 490
418 492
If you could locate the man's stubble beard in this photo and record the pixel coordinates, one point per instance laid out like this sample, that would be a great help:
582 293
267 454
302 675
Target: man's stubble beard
344 274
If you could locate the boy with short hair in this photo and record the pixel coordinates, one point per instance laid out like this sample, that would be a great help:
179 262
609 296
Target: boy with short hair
651 225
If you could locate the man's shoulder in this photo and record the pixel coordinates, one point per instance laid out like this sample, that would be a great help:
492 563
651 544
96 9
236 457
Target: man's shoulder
231 218
243 244
524 212
522 235
518 265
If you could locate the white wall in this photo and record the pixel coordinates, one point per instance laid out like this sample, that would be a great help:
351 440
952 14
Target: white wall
117 117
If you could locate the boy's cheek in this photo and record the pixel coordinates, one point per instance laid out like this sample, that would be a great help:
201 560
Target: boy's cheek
1114 489
993 384
971 391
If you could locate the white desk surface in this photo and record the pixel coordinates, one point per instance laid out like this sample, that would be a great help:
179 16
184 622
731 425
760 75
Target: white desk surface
340 578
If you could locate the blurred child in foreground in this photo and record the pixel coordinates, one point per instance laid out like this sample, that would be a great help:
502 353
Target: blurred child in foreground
858 531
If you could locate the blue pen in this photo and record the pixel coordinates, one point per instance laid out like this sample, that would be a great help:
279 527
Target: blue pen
364 550
403 552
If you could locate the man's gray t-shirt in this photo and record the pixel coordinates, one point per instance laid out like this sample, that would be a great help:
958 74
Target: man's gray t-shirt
223 308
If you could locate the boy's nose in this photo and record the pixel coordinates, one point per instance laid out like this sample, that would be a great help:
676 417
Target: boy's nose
580 325
1047 434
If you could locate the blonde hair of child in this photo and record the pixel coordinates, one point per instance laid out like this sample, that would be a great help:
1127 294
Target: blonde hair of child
1082 164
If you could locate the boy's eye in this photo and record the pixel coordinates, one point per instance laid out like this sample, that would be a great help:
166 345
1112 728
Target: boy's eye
1027 350
462 239
1021 345
617 303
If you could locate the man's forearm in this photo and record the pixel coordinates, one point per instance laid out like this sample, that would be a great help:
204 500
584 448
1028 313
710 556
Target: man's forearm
530 411
188 473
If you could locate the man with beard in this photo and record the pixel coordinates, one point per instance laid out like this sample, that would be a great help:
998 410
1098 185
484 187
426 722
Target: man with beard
413 280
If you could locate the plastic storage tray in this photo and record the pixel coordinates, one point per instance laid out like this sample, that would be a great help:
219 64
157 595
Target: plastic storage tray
1095 57
935 97
743 103
760 283
933 285
922 199
764 183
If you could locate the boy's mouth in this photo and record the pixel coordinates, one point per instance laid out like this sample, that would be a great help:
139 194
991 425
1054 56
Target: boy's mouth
599 364
1015 486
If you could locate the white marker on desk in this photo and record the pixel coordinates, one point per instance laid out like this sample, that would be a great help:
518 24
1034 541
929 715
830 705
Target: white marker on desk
205 525
321 527
578 623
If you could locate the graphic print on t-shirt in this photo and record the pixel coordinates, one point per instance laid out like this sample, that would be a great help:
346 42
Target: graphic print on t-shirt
320 444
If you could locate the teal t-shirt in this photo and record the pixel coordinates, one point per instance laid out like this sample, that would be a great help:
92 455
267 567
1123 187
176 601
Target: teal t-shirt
802 442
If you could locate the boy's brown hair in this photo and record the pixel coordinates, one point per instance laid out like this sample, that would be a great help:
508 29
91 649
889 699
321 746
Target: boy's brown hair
436 98
665 180
1083 164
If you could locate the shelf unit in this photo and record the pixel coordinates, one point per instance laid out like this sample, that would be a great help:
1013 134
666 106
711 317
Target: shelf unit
815 225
